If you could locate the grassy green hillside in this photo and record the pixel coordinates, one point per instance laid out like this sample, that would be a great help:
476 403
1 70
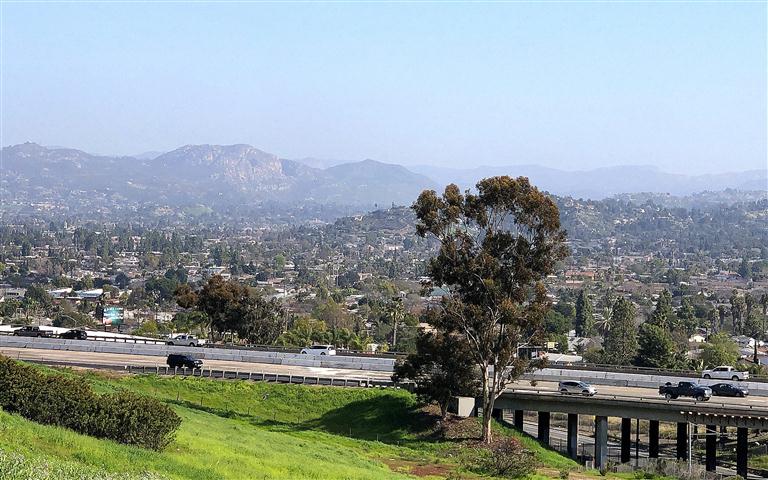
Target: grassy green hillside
244 430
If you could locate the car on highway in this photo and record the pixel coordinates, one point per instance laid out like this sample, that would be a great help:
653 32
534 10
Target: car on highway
180 361
573 387
184 339
685 389
75 334
319 350
31 331
729 390
725 372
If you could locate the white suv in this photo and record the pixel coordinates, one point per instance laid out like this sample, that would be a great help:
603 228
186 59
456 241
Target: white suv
185 340
319 350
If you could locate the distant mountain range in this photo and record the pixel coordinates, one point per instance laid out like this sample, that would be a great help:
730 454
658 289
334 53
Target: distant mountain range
604 182
242 173
205 173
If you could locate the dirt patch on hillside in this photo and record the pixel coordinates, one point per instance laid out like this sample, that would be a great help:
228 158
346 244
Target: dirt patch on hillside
418 469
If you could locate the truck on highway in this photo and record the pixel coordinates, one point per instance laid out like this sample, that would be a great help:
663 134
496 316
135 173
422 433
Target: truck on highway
31 331
685 389
185 340
725 372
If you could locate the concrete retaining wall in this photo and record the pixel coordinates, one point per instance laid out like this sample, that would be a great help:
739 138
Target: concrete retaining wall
248 356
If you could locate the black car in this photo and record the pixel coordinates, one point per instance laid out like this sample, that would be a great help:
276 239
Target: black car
75 335
179 361
729 390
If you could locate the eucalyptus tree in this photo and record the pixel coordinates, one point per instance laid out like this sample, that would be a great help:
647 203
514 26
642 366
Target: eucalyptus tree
496 247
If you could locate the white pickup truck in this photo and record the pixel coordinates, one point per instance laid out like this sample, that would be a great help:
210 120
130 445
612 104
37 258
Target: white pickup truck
725 372
183 339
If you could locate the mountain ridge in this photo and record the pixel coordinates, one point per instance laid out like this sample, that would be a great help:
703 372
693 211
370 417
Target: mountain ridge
244 173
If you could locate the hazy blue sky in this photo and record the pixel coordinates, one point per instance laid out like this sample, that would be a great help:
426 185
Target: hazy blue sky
681 86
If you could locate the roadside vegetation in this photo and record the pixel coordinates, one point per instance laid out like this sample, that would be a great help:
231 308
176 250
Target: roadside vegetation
233 430
71 403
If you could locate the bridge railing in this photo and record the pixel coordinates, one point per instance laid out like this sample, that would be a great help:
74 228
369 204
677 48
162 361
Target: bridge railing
637 399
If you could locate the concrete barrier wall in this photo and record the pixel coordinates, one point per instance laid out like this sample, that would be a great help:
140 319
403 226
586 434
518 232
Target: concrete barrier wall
248 356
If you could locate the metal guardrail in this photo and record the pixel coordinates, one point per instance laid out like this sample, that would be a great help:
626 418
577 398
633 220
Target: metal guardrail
259 376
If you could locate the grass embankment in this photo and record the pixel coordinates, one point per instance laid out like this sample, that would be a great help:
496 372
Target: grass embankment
244 430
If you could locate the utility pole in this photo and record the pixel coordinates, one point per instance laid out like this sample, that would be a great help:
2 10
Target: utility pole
690 448
396 312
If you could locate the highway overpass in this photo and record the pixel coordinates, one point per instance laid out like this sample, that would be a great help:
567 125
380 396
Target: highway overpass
712 415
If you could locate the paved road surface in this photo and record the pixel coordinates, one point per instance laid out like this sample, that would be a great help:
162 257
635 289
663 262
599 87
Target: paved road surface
606 391
124 359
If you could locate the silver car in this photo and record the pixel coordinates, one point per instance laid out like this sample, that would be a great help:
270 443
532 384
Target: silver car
574 387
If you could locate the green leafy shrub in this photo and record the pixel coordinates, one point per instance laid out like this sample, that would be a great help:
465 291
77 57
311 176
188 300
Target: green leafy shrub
505 457
135 419
71 403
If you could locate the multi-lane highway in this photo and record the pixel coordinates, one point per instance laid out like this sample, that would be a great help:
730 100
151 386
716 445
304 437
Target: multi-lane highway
606 391
118 360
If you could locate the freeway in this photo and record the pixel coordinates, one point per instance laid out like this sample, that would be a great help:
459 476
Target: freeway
608 392
119 360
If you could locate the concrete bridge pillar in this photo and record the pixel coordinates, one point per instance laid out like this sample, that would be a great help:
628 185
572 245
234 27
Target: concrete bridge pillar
626 439
544 427
519 423
741 452
682 441
653 439
711 441
601 443
573 435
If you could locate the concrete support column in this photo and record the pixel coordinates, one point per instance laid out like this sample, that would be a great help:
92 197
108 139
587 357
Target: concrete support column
626 439
519 420
573 435
682 441
653 439
544 427
711 441
741 452
601 443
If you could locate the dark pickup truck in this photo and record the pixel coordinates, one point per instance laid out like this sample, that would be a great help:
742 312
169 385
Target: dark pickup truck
685 389
31 332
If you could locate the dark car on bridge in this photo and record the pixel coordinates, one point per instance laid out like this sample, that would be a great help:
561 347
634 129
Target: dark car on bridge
685 389
180 361
31 331
75 335
729 390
